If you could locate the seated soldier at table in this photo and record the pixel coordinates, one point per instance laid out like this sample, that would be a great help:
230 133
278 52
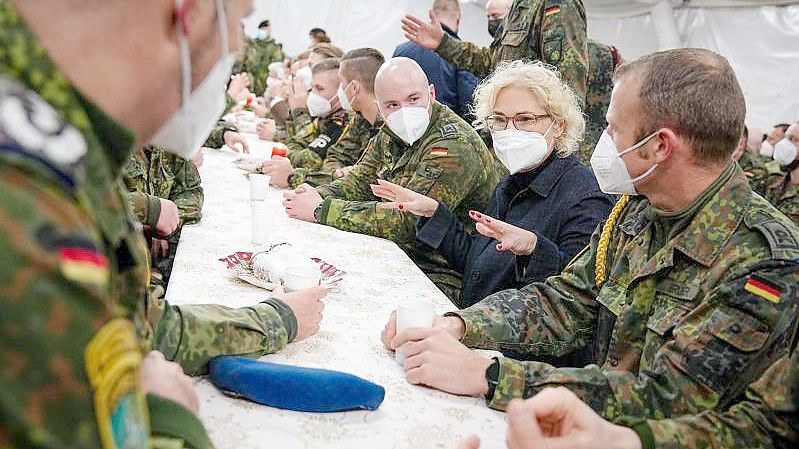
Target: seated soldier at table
335 145
291 120
685 295
165 194
425 147
541 215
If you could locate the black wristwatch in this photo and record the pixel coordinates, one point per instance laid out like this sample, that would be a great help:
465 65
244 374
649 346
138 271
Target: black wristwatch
317 213
492 378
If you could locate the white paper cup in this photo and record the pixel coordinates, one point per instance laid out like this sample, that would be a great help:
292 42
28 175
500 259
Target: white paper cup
259 186
262 223
410 314
300 278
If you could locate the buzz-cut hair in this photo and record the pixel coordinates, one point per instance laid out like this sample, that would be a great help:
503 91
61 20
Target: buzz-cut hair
362 64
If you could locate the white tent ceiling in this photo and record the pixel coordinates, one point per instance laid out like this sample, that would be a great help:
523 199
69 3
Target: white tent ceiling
760 38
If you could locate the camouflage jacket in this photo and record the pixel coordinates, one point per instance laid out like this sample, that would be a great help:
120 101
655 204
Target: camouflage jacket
551 31
784 196
682 331
344 153
151 174
603 60
73 276
760 170
449 163
325 133
254 59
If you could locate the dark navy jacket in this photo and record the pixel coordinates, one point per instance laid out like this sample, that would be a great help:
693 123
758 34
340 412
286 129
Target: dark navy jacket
560 202
454 88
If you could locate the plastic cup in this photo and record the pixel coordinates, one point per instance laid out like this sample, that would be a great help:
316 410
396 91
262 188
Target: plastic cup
410 314
300 278
261 223
259 187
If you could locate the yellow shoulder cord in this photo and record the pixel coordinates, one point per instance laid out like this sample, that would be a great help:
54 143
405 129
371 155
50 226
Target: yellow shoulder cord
604 239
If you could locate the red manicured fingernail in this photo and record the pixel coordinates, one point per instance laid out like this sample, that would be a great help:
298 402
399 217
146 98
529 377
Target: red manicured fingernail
401 207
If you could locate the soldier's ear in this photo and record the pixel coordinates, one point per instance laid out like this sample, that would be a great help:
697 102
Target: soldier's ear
432 93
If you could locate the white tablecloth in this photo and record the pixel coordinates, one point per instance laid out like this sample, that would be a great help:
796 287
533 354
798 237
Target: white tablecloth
379 276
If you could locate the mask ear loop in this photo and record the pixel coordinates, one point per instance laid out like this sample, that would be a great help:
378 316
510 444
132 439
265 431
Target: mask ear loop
185 54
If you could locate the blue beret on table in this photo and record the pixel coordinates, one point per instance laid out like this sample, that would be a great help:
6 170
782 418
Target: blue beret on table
293 387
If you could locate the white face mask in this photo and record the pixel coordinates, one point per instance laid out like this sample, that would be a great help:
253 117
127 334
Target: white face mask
410 123
784 152
611 171
306 76
185 132
342 97
318 105
521 150
767 149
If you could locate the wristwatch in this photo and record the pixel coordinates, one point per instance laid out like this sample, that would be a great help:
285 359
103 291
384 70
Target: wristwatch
492 378
317 213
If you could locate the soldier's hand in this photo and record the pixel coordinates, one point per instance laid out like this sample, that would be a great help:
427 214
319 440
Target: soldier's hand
266 129
302 202
167 380
405 200
198 159
472 442
169 219
232 138
433 357
159 248
260 110
279 169
298 98
520 242
342 172
452 324
238 89
307 306
557 419
427 35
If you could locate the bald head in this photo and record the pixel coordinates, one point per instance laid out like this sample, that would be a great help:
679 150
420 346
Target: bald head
400 82
498 9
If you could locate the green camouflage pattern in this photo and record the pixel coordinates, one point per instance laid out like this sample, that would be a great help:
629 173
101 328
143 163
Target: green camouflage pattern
449 163
68 196
760 170
550 31
601 66
764 419
784 196
254 59
673 330
326 132
302 129
343 153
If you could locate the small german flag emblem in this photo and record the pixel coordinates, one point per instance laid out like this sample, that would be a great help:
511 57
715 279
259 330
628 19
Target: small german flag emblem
439 151
84 265
550 11
764 289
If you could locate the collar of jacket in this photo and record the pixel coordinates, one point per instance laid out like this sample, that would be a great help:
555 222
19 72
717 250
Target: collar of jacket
450 31
714 223
55 89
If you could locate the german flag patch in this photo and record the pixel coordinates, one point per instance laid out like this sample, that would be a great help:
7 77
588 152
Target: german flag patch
84 265
439 151
764 289
551 11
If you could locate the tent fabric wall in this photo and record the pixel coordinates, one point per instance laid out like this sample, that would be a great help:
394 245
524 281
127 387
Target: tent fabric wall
760 38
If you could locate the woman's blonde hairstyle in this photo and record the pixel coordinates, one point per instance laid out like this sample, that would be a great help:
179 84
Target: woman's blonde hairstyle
545 83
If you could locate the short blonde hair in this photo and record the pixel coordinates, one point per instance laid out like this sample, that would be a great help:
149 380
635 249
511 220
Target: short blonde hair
546 84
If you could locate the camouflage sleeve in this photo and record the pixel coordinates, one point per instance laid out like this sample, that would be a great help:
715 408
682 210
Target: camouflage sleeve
348 149
187 192
305 158
691 370
217 137
355 186
192 335
439 176
466 56
565 44
312 178
302 134
147 208
763 419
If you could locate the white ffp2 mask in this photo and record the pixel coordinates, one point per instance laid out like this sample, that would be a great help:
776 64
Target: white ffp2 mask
611 171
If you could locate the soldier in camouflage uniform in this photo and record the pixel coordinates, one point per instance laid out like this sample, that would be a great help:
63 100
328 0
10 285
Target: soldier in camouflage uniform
603 60
551 31
256 56
75 318
448 162
150 175
760 170
678 311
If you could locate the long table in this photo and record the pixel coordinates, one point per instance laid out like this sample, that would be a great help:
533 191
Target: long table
379 276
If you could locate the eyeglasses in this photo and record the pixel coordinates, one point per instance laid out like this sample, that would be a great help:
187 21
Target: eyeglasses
522 122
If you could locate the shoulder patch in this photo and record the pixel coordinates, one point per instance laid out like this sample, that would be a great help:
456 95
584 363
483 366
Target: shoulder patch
761 287
439 151
780 238
84 265
551 11
448 131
